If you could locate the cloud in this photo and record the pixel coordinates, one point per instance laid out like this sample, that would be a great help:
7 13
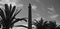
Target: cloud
20 5
50 12
36 16
54 16
13 3
51 9
10 2
4 1
34 7
37 1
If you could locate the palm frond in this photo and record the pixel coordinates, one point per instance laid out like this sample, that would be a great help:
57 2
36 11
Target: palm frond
10 7
2 14
7 11
13 17
45 22
41 21
18 19
36 23
12 11
39 24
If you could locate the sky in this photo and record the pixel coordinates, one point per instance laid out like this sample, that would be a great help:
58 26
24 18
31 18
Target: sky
47 9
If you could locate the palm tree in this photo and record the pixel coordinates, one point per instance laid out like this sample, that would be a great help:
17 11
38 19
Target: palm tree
58 27
45 25
8 16
52 24
40 24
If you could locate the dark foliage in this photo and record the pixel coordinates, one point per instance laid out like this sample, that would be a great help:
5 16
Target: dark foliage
45 25
8 16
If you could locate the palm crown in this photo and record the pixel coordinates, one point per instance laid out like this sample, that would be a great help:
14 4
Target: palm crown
8 16
46 25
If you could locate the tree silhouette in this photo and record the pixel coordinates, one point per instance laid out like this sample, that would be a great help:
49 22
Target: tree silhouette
46 25
8 16
40 24
52 24
58 27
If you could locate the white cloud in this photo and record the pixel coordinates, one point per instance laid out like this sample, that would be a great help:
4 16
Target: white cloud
10 2
54 16
4 1
20 5
51 9
34 7
13 3
36 16
50 12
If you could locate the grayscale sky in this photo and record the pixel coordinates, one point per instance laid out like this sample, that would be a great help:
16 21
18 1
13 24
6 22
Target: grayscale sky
47 9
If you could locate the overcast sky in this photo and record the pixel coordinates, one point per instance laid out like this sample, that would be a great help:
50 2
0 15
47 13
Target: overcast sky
47 9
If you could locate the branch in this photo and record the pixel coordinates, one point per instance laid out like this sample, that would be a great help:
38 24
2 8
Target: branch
13 17
18 19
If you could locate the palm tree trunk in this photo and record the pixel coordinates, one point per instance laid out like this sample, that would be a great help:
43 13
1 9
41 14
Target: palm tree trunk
30 17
